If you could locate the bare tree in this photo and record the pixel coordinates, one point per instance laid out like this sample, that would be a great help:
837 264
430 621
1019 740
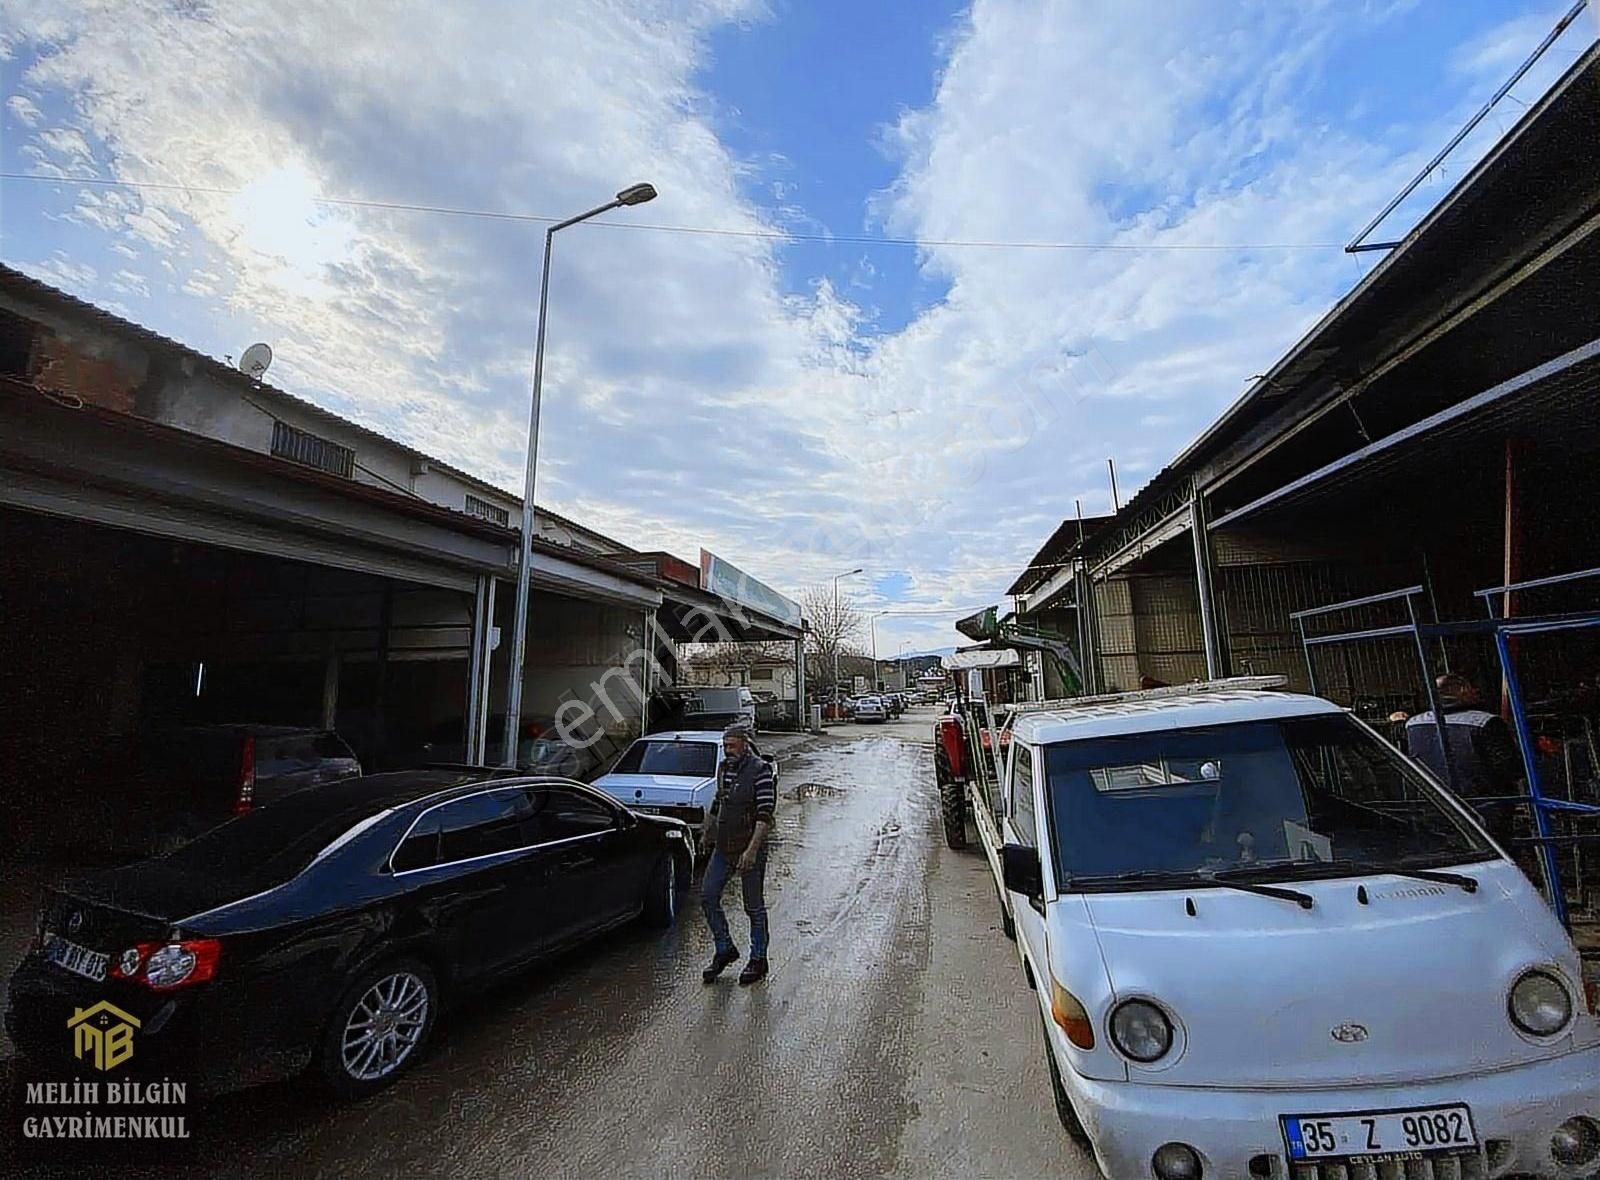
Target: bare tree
833 631
734 660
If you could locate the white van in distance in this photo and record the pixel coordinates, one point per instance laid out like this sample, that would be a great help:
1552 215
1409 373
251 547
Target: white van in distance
1265 944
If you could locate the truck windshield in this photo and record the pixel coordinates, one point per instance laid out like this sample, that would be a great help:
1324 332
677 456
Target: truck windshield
1311 796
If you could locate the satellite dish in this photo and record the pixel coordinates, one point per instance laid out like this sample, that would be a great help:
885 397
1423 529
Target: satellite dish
257 359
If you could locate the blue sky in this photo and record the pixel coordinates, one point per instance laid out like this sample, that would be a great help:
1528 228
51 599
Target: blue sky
929 412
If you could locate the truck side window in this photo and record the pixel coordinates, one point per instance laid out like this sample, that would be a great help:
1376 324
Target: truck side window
1022 818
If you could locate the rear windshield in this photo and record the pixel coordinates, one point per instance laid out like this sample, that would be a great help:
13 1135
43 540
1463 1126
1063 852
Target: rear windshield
681 759
267 846
192 755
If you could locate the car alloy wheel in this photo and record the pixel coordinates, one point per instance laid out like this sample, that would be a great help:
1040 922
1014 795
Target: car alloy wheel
385 1026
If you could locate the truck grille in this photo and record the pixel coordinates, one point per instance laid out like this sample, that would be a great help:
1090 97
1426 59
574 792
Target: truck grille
1467 1167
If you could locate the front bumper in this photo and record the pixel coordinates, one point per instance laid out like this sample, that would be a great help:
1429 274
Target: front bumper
1514 1112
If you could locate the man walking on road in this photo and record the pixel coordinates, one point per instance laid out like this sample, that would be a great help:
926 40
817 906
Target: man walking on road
736 835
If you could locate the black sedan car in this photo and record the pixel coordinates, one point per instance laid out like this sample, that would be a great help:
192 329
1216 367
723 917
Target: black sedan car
327 931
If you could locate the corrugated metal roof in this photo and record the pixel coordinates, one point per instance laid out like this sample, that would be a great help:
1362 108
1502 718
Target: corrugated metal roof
1491 210
1565 391
1057 548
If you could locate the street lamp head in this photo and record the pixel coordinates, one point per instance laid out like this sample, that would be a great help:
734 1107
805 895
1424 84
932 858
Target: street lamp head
853 572
636 194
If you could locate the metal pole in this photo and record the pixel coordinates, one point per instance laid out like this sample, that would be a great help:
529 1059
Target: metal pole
1311 667
1561 25
1203 586
479 749
872 625
836 638
1116 504
519 619
1530 764
1433 604
1432 690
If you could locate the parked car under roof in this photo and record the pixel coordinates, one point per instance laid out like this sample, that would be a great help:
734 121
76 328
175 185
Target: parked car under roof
327 932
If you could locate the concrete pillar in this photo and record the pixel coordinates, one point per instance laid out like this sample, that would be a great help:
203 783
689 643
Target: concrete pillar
1088 634
800 681
330 688
478 738
127 674
476 658
648 642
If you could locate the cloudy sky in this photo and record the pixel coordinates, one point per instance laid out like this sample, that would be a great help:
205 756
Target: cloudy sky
916 268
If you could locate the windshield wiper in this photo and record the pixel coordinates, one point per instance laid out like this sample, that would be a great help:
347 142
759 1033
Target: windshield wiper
1196 880
1229 877
1438 877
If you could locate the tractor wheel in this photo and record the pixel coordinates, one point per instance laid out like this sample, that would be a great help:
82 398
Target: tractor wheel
952 803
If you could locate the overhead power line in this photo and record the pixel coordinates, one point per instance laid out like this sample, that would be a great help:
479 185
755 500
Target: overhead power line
776 235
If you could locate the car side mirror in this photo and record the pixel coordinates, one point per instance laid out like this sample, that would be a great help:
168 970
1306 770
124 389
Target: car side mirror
1019 866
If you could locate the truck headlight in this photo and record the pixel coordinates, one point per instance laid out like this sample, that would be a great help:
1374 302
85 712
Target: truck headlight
1141 1031
1540 1004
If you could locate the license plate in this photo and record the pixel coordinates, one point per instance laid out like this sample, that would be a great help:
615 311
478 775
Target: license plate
79 960
1432 1129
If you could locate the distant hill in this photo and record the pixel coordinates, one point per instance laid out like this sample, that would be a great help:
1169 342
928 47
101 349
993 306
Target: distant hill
933 653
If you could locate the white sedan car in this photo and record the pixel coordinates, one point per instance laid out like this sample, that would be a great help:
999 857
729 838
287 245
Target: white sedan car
672 773
871 709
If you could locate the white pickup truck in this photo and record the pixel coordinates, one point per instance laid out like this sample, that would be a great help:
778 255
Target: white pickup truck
1266 944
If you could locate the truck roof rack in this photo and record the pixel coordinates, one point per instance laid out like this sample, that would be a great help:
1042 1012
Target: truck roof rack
1193 688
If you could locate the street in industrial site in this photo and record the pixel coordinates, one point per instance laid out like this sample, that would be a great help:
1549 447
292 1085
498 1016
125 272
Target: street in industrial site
895 1035
719 589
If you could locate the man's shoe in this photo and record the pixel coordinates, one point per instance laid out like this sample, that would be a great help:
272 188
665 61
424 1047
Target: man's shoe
753 970
720 962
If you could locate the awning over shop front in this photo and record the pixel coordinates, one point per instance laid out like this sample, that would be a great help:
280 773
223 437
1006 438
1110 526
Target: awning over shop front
984 624
688 615
968 661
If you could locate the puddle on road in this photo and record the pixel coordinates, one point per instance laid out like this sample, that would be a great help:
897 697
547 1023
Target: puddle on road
813 791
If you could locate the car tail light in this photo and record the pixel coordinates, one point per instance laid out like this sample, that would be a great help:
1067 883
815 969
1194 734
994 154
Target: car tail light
162 966
1070 1014
247 777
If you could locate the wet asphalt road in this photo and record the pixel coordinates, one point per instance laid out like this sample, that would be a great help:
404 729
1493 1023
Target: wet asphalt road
895 1036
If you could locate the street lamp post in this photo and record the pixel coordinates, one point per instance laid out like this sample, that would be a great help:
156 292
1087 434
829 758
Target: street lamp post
873 622
636 194
838 635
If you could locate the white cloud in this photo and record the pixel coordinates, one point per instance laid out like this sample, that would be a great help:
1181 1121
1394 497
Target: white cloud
689 400
23 110
129 283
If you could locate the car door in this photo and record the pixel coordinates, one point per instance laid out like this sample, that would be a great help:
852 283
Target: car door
598 861
481 878
1022 827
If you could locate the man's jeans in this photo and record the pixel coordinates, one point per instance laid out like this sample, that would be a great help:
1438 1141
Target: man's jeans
718 869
